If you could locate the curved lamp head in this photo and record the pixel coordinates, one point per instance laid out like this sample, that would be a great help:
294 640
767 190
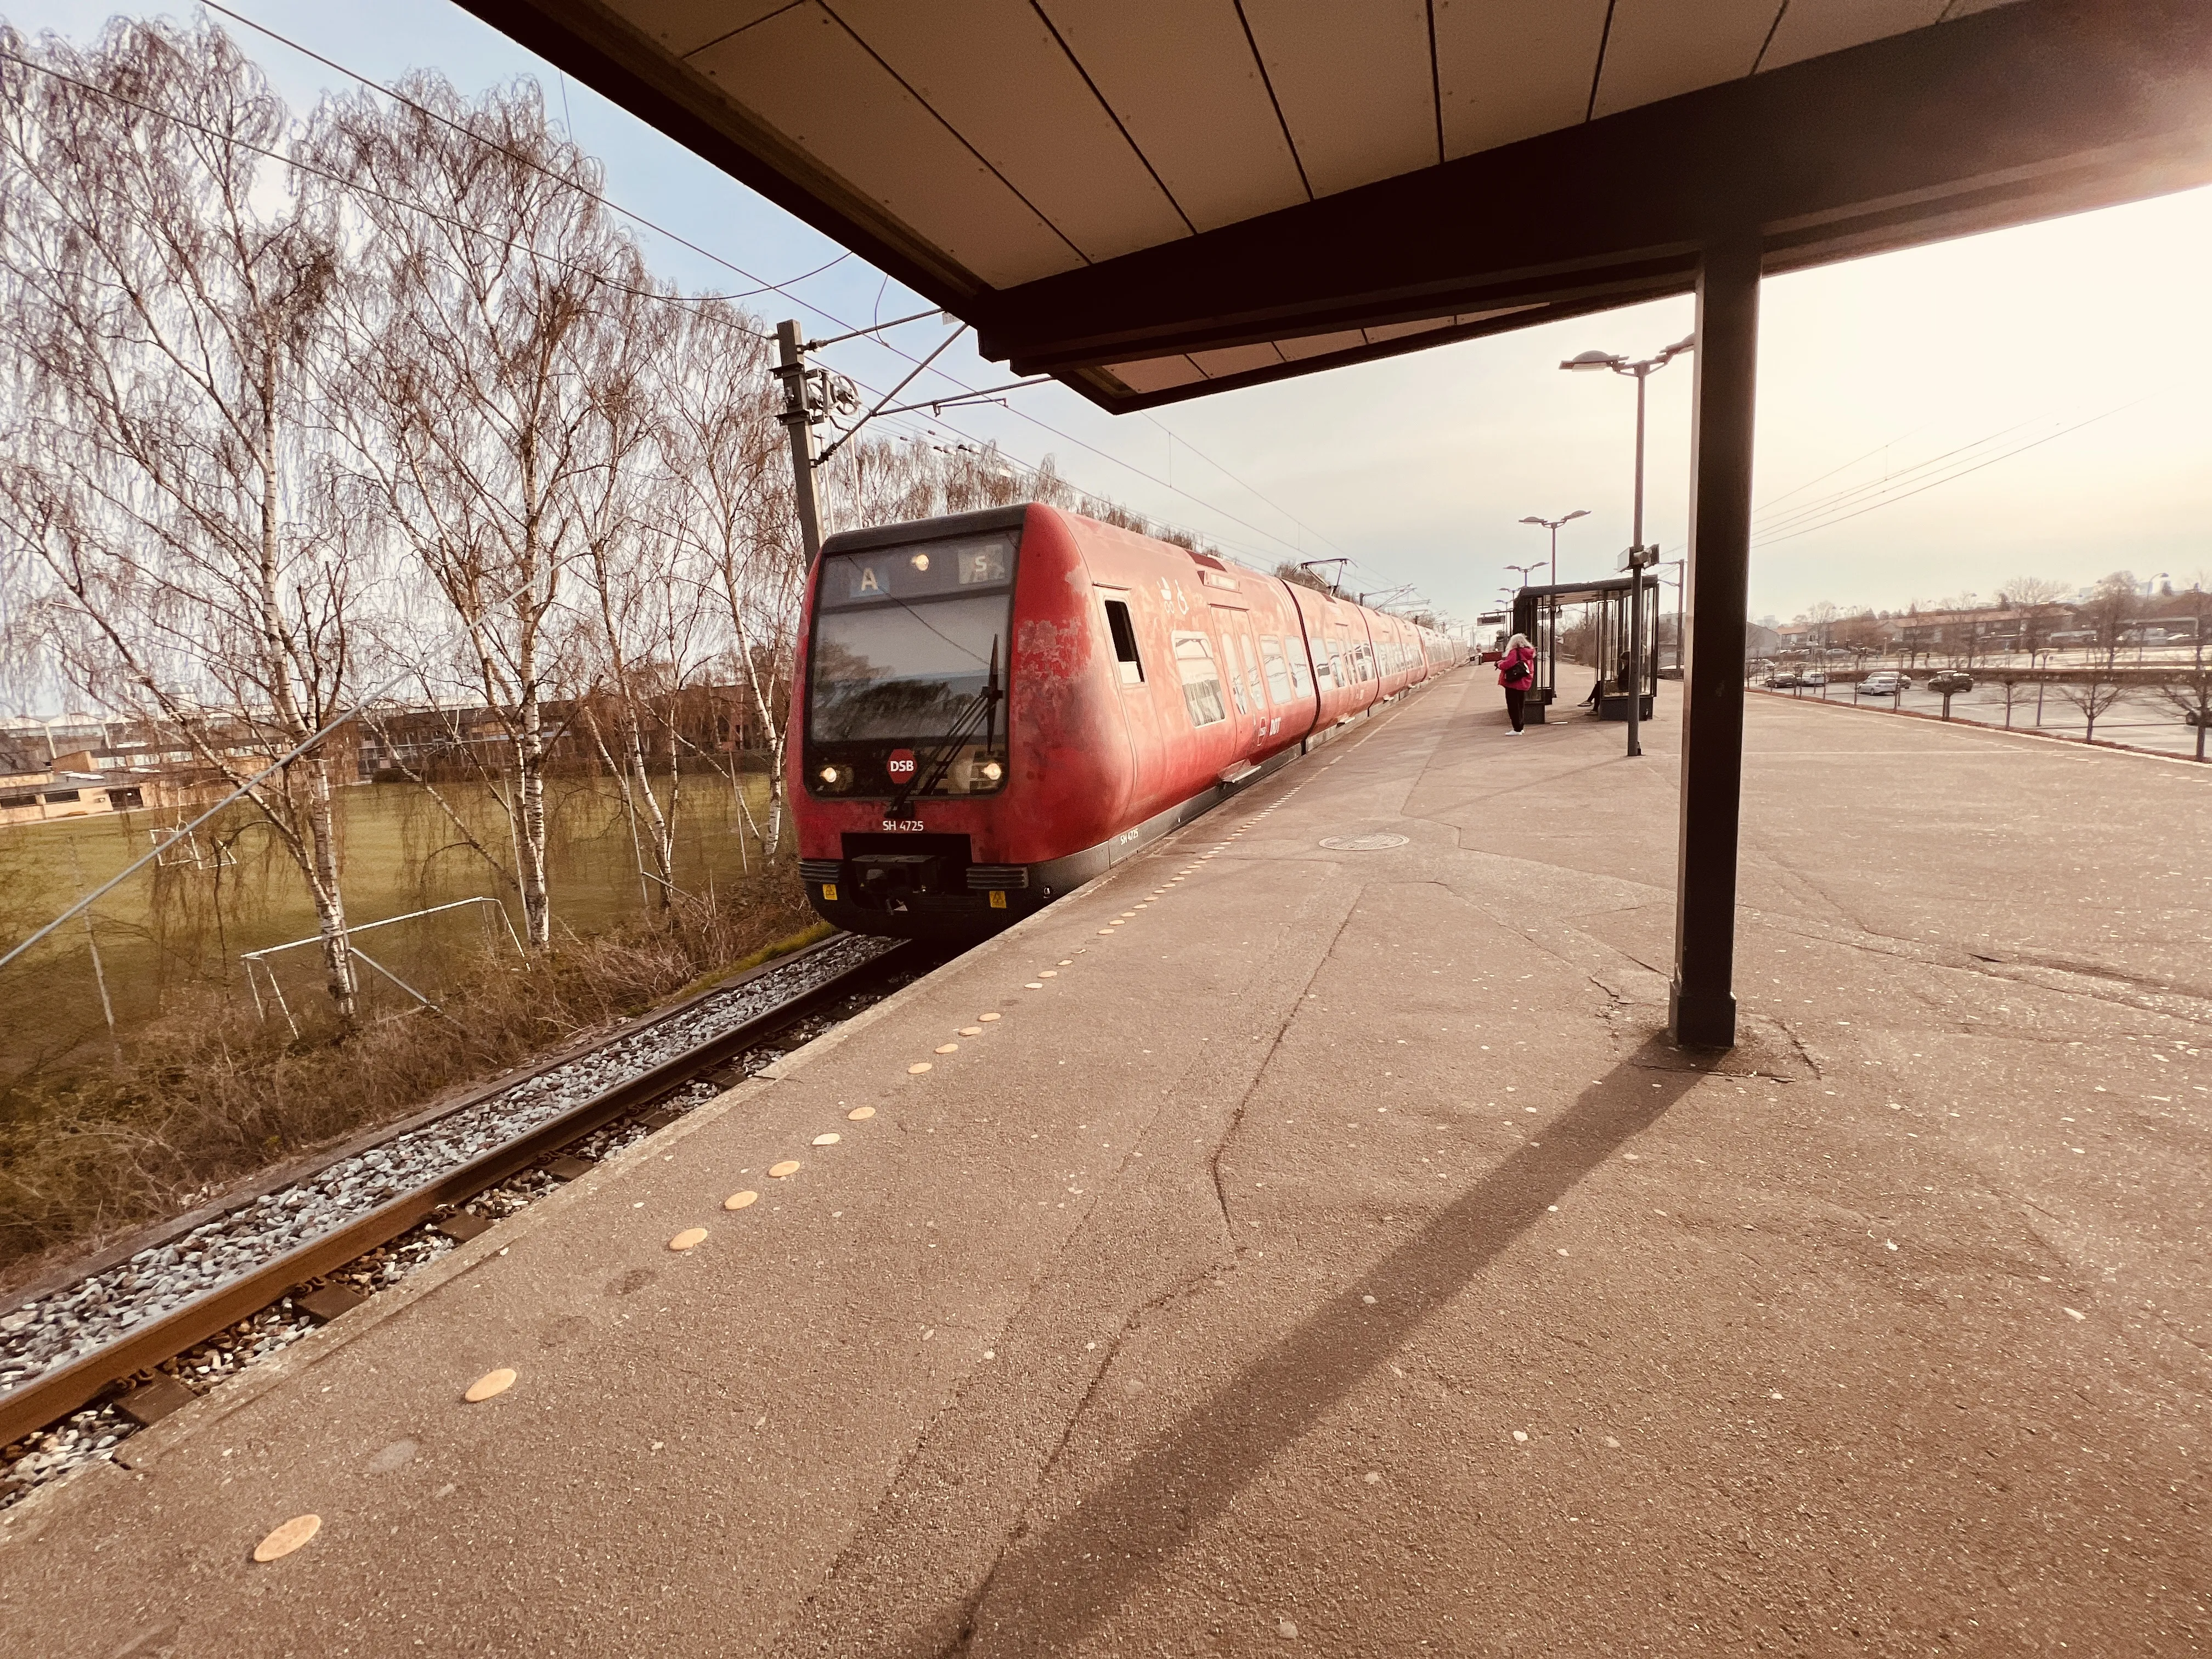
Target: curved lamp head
1588 360
1579 513
1543 522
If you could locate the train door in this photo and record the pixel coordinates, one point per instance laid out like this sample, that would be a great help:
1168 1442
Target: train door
1141 704
1240 659
1266 716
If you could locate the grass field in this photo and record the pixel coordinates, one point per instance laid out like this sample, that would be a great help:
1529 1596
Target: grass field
170 929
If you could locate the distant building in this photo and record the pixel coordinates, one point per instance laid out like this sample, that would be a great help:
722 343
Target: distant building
74 789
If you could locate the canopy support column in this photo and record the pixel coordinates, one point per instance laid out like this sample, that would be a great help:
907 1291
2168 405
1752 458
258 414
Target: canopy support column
1716 588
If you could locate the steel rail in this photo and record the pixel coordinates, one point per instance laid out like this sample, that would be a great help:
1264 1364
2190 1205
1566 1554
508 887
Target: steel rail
53 1396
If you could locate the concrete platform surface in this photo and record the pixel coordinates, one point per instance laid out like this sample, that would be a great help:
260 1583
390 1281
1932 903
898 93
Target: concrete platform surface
1325 1251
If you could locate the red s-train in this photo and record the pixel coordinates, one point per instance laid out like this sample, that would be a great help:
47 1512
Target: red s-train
997 706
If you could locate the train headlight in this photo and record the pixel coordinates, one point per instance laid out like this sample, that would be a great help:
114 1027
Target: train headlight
922 562
993 771
828 775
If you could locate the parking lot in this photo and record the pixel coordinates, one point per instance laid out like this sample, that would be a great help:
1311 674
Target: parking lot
2140 717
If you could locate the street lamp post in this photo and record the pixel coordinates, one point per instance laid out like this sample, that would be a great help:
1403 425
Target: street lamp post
1553 525
1639 555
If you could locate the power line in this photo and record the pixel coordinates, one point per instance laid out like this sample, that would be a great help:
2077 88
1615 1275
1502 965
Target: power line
354 185
765 286
1962 472
1791 516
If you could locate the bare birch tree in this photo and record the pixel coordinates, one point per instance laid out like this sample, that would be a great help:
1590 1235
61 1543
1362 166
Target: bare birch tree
646 639
167 502
727 509
487 317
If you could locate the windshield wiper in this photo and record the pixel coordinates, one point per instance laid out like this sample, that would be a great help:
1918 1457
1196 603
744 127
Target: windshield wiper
983 705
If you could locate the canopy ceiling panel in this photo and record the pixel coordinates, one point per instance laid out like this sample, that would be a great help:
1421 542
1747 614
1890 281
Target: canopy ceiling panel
1158 198
1181 78
1357 109
1506 71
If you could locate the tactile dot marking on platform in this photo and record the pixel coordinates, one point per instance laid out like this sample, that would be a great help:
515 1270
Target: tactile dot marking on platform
917 1068
990 1017
971 1031
788 1167
1374 843
946 1048
741 1201
288 1537
1104 931
828 1139
1047 973
1034 985
490 1383
861 1114
687 1238
1067 962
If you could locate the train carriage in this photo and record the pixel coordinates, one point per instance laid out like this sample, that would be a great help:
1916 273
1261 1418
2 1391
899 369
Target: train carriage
995 706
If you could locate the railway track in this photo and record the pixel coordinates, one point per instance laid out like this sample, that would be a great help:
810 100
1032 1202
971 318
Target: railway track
88 1338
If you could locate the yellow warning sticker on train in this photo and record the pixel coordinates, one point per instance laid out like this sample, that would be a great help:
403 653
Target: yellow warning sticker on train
830 890
998 899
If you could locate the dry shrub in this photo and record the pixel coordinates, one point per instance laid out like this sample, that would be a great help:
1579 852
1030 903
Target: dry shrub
205 1096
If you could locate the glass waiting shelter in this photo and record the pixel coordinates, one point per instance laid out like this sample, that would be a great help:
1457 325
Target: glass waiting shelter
1581 630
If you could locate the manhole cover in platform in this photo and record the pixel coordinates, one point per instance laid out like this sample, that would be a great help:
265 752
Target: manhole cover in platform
1374 843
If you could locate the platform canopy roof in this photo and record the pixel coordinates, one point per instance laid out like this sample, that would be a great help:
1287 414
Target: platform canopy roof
1154 199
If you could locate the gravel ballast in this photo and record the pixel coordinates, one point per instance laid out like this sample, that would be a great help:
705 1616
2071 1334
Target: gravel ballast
54 1329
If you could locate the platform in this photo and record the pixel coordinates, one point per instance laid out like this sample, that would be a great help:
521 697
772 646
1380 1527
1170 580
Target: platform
1331 1253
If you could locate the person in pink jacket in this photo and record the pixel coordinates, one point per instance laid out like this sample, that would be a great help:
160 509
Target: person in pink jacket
1516 672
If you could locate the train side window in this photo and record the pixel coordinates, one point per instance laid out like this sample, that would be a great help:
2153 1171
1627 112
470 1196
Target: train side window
1125 641
1201 681
1336 663
1363 661
1301 678
1279 673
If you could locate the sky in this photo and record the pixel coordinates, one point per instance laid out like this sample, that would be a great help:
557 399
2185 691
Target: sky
1932 424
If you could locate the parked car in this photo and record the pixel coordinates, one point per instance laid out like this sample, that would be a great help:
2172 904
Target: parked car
1951 680
1780 680
1883 685
1811 676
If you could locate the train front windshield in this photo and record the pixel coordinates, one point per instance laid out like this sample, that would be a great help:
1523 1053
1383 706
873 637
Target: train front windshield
905 641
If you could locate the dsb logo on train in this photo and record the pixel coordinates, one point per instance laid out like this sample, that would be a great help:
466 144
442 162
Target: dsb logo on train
901 765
